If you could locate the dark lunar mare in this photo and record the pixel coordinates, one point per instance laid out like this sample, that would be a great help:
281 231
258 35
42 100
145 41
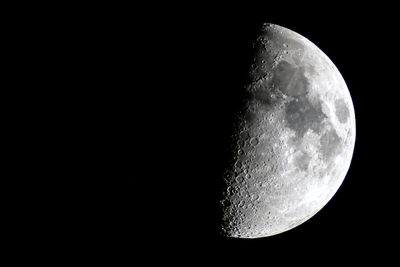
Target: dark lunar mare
290 79
301 115
341 110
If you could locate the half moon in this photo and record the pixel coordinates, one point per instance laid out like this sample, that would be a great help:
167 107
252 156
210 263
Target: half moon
294 138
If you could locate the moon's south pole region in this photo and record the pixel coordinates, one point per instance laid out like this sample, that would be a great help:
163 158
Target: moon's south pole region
293 140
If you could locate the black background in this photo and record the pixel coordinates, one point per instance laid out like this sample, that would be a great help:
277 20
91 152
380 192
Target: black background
164 82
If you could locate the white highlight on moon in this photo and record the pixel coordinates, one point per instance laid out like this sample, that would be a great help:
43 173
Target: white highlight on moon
294 138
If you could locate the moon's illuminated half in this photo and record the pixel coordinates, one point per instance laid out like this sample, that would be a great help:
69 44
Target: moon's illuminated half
294 138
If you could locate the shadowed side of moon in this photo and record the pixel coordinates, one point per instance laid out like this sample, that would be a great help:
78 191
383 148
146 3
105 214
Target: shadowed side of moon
294 138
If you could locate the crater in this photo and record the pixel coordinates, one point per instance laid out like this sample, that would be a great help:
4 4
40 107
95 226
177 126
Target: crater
341 110
290 79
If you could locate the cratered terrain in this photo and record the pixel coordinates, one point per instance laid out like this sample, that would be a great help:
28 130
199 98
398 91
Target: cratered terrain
293 140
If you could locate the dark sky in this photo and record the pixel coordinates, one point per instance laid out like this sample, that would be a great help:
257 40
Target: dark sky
136 104
187 66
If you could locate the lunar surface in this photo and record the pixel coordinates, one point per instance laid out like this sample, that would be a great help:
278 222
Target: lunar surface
293 141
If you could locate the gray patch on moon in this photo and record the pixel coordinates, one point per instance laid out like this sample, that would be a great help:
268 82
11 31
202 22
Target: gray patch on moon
290 79
301 116
330 144
269 51
302 161
341 110
250 117
263 97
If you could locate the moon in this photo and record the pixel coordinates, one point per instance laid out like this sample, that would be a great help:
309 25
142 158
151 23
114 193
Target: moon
293 141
